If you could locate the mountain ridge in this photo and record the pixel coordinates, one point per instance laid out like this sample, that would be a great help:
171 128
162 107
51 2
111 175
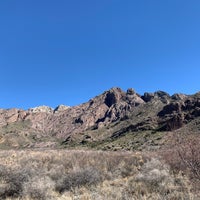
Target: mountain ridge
108 116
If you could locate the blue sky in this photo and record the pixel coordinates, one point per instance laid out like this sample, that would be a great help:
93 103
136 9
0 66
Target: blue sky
68 51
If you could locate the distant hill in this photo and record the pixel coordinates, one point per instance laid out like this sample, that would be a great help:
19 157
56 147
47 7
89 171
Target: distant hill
113 120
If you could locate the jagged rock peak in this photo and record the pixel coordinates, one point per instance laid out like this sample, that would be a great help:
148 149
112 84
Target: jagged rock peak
148 96
61 108
116 90
130 91
158 95
162 94
113 96
46 109
178 96
133 98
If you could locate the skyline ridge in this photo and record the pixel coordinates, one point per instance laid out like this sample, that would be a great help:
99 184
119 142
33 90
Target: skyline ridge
64 104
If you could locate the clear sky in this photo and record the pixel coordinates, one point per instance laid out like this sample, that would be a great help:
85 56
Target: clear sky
68 51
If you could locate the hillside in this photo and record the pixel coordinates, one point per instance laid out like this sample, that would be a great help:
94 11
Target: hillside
113 120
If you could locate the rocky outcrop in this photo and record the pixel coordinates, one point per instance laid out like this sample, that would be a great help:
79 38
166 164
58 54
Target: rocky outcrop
180 111
100 111
159 95
12 115
61 108
39 109
179 96
113 96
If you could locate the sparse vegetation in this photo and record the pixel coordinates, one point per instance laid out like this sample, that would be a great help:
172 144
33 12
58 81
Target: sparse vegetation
79 178
64 174
183 156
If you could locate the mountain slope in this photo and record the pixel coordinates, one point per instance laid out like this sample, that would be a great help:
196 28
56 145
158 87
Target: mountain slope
112 120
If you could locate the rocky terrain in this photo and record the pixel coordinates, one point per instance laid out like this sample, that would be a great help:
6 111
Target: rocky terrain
112 120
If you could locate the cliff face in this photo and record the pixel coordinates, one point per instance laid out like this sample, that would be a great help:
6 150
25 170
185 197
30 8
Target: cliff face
115 112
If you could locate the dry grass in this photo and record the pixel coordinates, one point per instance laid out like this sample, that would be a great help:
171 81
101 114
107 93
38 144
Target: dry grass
183 156
87 175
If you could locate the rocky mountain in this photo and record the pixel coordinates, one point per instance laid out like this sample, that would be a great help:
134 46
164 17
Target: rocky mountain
114 119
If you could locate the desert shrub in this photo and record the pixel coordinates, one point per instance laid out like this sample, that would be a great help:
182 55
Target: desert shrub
82 177
155 176
184 156
38 188
88 175
189 155
13 181
155 181
118 164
